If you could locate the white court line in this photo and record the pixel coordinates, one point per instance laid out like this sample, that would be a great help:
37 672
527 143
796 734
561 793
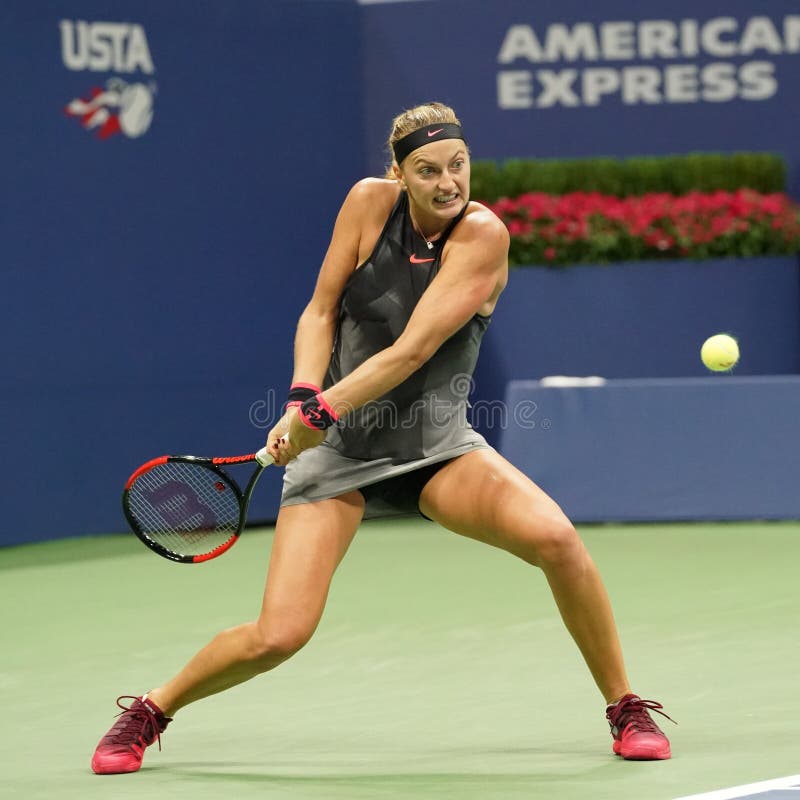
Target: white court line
746 789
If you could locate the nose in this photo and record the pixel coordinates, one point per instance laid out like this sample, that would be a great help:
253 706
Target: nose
446 181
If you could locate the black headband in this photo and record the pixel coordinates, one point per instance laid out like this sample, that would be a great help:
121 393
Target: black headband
421 136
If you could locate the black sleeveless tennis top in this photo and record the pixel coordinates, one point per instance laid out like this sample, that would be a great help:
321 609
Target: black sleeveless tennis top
426 414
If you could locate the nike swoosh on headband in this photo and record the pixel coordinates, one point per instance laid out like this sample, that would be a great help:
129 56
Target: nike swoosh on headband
422 136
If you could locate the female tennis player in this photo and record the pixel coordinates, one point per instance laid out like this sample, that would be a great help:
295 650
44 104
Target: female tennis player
405 292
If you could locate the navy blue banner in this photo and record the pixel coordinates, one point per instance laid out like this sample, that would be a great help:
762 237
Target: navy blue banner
572 79
720 447
168 195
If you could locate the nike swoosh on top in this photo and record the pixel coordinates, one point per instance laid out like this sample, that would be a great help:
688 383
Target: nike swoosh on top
433 133
414 260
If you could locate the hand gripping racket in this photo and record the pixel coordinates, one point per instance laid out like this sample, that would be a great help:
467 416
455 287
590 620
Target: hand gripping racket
189 509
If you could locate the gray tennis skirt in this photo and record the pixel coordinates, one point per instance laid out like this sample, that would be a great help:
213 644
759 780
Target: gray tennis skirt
323 472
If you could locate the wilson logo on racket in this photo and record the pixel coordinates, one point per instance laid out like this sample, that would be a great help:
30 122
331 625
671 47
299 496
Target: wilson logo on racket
179 505
189 509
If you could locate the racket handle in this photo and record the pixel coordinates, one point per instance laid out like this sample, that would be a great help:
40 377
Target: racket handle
264 458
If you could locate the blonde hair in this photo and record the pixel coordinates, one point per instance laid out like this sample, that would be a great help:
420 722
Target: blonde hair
415 118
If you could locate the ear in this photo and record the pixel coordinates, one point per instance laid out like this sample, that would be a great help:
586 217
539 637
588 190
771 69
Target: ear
398 175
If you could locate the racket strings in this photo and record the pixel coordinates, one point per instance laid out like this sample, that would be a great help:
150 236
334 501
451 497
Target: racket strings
186 508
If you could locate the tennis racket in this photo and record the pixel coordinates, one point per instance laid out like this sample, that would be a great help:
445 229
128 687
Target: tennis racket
187 508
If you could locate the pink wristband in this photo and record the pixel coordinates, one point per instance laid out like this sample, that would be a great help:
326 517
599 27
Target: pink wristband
301 385
316 413
300 392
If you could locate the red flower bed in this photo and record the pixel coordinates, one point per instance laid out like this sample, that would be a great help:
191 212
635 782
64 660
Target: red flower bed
595 228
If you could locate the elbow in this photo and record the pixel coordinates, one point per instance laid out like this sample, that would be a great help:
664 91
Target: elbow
314 317
411 359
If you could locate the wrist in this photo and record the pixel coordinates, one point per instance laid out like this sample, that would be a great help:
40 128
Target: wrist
299 393
316 413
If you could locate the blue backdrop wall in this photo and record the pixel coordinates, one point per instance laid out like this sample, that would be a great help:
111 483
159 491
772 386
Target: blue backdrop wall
152 277
661 448
574 79
171 173
640 320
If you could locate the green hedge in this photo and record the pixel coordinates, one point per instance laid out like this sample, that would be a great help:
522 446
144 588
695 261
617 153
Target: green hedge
702 172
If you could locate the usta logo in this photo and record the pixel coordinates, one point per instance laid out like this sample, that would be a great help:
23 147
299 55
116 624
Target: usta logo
121 106
105 47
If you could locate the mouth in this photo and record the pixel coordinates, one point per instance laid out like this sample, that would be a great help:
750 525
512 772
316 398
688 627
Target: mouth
445 199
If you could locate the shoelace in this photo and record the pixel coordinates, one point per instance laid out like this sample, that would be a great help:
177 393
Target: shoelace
131 724
634 711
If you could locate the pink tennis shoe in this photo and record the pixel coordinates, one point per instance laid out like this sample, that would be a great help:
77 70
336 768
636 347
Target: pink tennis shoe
636 736
137 726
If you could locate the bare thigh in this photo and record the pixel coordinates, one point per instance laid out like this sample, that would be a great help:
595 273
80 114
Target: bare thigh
310 541
484 497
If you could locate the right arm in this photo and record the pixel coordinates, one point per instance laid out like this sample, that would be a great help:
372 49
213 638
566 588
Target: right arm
366 203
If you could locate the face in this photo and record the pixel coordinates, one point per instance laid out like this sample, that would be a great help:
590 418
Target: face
436 177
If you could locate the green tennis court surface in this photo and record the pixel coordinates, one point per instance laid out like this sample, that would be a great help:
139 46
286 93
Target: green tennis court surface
440 670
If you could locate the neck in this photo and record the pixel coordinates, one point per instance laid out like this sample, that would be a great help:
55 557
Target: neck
429 236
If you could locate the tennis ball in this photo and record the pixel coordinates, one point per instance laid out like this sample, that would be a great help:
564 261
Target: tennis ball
720 352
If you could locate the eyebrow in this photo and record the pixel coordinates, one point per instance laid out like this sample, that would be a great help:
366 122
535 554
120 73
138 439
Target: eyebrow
424 160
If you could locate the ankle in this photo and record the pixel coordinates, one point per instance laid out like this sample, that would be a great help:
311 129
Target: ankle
156 699
614 697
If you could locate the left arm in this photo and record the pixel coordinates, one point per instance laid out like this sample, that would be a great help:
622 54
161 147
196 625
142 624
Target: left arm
470 280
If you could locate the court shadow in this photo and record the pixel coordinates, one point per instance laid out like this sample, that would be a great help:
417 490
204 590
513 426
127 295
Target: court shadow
531 766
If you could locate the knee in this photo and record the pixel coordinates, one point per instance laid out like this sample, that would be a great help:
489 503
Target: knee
557 544
273 644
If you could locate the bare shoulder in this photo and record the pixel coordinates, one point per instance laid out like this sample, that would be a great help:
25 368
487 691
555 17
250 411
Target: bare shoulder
482 224
480 243
364 213
373 195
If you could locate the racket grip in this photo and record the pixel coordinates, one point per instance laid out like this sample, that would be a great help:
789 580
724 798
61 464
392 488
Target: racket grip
264 458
